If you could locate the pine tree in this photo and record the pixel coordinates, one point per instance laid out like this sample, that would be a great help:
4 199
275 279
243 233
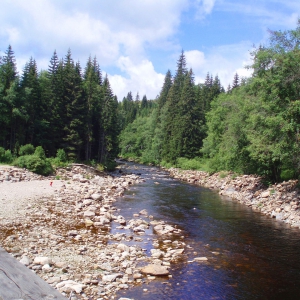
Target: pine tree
236 81
162 99
171 141
55 108
109 129
144 103
93 97
73 107
8 99
31 93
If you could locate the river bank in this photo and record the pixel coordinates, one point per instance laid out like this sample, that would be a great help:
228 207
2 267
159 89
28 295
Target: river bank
280 201
59 227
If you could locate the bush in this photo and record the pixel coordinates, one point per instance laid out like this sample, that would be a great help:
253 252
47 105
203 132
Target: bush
287 174
189 164
5 156
40 152
110 165
61 155
35 164
26 150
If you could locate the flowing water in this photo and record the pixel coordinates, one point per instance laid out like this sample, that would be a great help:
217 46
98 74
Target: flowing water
250 256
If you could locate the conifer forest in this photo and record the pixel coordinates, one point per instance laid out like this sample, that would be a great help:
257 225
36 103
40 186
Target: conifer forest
249 127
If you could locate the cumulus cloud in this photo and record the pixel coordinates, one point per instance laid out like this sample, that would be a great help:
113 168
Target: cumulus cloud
223 61
89 26
140 78
127 29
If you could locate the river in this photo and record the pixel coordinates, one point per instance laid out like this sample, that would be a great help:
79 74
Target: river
250 256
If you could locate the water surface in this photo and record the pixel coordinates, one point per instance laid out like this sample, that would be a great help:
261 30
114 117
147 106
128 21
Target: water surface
250 256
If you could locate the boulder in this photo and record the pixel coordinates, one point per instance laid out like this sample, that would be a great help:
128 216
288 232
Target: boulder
155 270
70 285
111 277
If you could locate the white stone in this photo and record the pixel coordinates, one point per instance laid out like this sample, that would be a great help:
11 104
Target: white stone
41 260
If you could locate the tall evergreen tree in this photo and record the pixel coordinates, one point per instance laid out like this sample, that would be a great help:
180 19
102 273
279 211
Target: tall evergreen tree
171 141
31 93
108 131
73 107
93 97
236 81
8 98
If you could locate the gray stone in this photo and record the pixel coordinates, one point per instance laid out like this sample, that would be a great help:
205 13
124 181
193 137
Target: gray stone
111 277
155 270
25 261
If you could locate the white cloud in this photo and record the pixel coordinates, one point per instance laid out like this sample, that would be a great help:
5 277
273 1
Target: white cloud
223 61
110 32
266 13
203 8
141 78
195 59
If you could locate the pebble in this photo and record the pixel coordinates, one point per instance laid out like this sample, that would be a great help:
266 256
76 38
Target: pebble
66 238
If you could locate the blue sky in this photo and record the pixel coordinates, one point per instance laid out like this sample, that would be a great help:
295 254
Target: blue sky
137 41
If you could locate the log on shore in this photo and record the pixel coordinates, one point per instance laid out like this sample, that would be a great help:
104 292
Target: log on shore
19 282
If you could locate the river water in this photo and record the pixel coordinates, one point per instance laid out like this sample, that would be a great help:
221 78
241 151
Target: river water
250 256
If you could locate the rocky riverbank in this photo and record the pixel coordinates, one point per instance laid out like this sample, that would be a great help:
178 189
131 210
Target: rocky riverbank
280 201
62 232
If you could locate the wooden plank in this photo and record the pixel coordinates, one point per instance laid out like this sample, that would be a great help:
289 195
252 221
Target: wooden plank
20 283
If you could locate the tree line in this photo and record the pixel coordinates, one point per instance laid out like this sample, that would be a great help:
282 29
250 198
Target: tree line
252 127
63 107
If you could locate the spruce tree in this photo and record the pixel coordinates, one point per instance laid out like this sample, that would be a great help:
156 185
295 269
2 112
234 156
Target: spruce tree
171 141
236 81
92 82
8 99
73 108
31 93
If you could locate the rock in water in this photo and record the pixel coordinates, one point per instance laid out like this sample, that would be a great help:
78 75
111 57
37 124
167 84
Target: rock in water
155 270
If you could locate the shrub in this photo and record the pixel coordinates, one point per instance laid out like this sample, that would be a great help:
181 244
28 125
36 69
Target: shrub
26 150
223 174
189 164
40 152
35 164
110 165
61 155
5 156
287 174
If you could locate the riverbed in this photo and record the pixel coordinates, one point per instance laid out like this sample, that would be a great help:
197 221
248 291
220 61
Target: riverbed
250 255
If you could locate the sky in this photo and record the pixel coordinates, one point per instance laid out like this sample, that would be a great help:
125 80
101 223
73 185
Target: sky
137 41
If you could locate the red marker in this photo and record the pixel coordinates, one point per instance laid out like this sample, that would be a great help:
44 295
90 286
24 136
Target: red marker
51 182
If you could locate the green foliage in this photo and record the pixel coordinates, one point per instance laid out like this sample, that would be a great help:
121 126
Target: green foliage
35 164
26 150
62 107
189 164
5 156
40 152
110 165
61 155
255 127
287 174
223 174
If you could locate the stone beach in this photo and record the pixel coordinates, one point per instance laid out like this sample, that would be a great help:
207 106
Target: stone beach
59 227
280 201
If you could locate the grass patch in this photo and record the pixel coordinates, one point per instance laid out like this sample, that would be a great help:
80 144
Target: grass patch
223 174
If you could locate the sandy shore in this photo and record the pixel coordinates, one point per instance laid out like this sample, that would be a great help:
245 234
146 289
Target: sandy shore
16 197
